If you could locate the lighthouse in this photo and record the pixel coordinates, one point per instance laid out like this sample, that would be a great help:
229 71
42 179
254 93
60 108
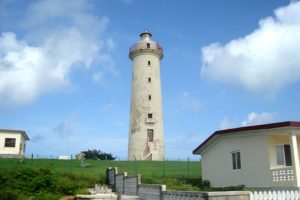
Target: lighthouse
146 135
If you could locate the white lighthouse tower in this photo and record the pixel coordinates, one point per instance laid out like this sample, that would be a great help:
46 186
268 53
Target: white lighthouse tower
146 136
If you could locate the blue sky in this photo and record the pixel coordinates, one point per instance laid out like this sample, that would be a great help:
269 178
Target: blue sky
65 73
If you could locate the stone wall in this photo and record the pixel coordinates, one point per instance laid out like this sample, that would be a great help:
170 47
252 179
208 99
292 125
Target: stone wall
131 185
174 195
119 182
150 191
111 173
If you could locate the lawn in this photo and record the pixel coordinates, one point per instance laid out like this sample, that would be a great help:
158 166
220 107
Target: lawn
148 169
180 175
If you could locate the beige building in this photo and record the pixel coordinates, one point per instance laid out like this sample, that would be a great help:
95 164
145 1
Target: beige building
146 137
255 156
12 143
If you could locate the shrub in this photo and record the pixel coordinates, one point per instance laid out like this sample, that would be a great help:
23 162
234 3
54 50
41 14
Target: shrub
98 155
66 186
230 188
31 180
45 196
44 180
3 178
8 195
206 183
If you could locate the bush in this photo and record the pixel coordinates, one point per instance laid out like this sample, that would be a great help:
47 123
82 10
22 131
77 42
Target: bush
31 180
38 183
3 178
8 195
66 186
98 155
206 183
45 196
230 188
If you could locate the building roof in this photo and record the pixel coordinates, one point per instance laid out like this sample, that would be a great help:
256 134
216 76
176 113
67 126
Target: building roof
244 129
15 131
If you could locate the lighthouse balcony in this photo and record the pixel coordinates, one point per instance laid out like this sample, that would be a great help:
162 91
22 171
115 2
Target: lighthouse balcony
150 120
147 47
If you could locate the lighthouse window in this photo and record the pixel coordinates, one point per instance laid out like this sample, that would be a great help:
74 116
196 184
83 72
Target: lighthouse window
150 115
148 45
149 97
149 80
150 133
149 62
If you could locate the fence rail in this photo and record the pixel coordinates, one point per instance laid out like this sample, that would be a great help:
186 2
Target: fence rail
275 195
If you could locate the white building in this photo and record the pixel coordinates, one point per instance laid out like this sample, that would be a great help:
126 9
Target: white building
146 137
255 156
12 143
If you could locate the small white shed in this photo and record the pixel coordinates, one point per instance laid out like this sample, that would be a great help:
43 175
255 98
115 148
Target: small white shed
12 143
264 156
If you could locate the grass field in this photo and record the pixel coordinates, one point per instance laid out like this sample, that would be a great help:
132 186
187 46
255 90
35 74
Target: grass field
180 175
157 169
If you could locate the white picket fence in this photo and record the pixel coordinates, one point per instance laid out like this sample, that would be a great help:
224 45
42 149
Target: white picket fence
275 195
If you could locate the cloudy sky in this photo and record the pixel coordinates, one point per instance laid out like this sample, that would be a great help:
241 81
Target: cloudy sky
65 73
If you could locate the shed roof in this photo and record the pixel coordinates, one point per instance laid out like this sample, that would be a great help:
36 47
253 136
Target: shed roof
15 131
244 129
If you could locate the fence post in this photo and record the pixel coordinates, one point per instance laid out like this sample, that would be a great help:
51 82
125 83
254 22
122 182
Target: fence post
164 170
188 167
135 166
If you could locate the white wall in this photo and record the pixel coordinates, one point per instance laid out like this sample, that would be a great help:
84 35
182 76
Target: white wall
255 169
11 150
298 142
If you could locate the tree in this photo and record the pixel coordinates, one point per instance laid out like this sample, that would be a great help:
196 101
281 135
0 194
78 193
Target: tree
98 155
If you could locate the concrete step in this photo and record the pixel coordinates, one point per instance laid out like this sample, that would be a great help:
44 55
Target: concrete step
111 196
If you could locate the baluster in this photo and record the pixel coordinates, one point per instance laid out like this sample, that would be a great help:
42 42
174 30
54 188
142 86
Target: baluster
274 195
256 195
260 195
279 196
297 195
251 196
283 195
270 195
288 195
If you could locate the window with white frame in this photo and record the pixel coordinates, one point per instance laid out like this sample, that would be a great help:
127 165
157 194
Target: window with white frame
283 155
236 160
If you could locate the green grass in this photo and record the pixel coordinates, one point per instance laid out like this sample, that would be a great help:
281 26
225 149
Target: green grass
177 169
179 175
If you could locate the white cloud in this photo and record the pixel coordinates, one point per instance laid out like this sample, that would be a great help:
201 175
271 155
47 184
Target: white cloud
189 103
259 118
106 107
110 44
63 129
226 124
37 138
98 76
263 61
57 38
253 118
